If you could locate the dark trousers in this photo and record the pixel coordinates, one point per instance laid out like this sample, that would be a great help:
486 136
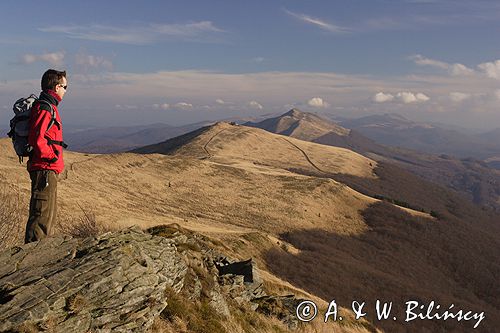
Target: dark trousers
43 205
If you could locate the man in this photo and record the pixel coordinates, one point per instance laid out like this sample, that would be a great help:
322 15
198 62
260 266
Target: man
46 161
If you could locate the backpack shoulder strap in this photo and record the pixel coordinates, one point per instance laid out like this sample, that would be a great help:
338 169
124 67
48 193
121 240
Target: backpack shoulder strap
48 107
52 122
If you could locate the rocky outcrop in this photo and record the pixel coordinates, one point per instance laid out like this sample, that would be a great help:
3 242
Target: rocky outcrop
112 282
117 282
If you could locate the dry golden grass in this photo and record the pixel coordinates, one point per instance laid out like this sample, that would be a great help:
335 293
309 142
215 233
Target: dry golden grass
246 179
13 215
182 316
303 126
225 144
84 225
205 195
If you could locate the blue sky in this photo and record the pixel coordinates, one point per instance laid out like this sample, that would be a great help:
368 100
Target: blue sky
186 61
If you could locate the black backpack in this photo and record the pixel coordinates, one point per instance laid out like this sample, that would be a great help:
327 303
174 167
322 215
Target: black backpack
20 124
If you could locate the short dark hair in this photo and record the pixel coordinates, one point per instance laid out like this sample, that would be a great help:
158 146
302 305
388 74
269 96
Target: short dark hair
51 78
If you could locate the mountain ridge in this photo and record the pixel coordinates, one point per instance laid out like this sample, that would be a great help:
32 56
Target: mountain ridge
298 124
397 131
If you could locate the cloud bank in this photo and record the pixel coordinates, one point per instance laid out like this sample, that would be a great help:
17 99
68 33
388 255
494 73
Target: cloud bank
183 105
382 97
491 69
488 69
455 69
53 58
404 97
458 98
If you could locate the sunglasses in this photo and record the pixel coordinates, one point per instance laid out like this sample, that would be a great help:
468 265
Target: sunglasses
65 87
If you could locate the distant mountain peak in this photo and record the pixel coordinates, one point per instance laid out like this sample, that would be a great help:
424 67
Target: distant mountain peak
301 125
295 113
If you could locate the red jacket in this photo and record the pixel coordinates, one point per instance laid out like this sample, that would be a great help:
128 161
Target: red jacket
47 155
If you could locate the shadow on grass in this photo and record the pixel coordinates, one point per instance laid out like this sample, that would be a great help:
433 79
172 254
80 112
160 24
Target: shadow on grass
402 257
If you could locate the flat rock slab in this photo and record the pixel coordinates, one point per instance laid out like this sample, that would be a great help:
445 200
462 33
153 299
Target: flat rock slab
113 282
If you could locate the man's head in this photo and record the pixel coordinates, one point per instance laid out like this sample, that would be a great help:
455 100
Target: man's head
56 81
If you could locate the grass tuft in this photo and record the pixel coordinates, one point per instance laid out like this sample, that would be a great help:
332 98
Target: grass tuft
85 225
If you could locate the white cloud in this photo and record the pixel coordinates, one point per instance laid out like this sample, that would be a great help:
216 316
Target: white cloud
459 97
455 69
53 58
491 69
184 105
163 106
497 94
459 69
255 105
422 61
318 22
318 102
409 97
422 97
92 61
404 96
220 101
144 34
382 97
